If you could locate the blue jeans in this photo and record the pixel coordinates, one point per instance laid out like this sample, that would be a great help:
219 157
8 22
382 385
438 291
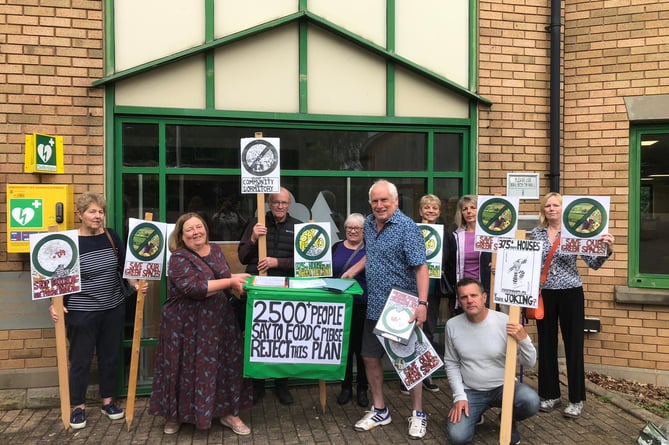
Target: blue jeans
525 404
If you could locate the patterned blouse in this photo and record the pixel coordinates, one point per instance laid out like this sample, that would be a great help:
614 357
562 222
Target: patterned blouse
563 273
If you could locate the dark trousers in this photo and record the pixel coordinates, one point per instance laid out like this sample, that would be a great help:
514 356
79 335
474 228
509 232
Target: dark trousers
354 345
566 307
89 332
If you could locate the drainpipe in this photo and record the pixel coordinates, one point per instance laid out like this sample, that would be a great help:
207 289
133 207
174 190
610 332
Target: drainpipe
555 28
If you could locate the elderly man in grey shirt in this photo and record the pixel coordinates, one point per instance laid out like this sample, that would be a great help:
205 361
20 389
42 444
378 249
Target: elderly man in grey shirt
475 359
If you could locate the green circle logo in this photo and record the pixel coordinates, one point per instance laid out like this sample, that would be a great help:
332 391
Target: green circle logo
402 354
146 241
496 217
312 242
55 254
584 218
432 241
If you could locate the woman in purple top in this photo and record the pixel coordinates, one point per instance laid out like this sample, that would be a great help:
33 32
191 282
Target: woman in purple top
199 361
469 262
345 254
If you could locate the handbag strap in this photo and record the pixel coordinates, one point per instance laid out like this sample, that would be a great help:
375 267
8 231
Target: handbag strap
350 258
113 244
549 259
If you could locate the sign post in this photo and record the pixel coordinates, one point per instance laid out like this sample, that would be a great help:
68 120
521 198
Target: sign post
134 351
260 175
55 271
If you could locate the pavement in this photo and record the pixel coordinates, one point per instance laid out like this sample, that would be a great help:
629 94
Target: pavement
607 419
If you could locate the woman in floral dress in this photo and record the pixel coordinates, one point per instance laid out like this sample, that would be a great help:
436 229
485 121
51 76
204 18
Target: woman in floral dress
199 362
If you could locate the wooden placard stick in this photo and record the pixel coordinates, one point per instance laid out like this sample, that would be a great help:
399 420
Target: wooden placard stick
61 356
509 372
134 351
262 240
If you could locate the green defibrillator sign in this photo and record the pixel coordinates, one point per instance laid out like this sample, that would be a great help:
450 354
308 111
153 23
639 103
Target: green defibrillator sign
44 154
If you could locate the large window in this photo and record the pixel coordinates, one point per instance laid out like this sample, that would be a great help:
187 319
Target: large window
168 168
649 207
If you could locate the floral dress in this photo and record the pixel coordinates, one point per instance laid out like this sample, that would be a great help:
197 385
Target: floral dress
199 357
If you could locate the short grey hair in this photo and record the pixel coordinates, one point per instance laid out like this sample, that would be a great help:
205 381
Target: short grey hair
391 188
354 218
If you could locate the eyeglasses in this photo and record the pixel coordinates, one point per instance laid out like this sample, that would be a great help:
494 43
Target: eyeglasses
354 229
279 203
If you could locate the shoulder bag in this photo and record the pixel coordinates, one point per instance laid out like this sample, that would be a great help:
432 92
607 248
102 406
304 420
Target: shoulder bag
538 312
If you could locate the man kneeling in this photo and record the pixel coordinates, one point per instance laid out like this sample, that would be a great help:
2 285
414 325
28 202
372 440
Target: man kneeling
475 357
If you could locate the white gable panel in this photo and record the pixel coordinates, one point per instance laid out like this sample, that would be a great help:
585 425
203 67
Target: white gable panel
435 35
344 79
178 85
231 16
147 30
365 18
260 73
417 97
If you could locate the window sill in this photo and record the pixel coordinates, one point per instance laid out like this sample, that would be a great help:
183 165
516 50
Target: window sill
637 295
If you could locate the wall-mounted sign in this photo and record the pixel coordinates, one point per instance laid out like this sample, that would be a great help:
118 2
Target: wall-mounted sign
44 154
522 185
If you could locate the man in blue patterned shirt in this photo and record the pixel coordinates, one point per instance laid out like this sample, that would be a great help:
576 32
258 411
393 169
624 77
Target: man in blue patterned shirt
395 258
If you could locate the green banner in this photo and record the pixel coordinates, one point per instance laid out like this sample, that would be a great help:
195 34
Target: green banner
297 332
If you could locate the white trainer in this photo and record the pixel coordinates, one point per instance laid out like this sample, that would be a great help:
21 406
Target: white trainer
417 425
372 419
548 405
573 410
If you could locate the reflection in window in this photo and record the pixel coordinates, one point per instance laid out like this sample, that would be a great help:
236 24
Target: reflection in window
302 149
654 204
140 144
448 152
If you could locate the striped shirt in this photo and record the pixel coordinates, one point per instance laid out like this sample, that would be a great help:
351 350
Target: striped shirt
99 283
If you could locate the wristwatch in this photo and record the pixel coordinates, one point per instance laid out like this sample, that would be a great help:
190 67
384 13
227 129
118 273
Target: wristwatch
423 303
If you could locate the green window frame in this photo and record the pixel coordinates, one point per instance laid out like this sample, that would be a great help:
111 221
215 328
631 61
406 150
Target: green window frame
148 157
648 265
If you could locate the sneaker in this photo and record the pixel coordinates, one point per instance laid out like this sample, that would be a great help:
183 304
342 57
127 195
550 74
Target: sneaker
78 419
112 411
372 419
403 389
573 410
430 385
548 405
417 425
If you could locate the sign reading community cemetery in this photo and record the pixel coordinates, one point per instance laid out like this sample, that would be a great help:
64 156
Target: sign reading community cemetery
260 165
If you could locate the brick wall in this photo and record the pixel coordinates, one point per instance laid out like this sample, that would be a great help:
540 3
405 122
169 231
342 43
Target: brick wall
611 50
50 52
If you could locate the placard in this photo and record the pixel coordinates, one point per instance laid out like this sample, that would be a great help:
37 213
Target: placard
584 220
54 264
297 333
496 218
145 251
415 361
393 323
312 252
517 272
433 234
260 158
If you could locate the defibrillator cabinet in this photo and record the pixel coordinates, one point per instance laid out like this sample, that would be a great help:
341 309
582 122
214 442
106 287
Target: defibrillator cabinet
33 208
